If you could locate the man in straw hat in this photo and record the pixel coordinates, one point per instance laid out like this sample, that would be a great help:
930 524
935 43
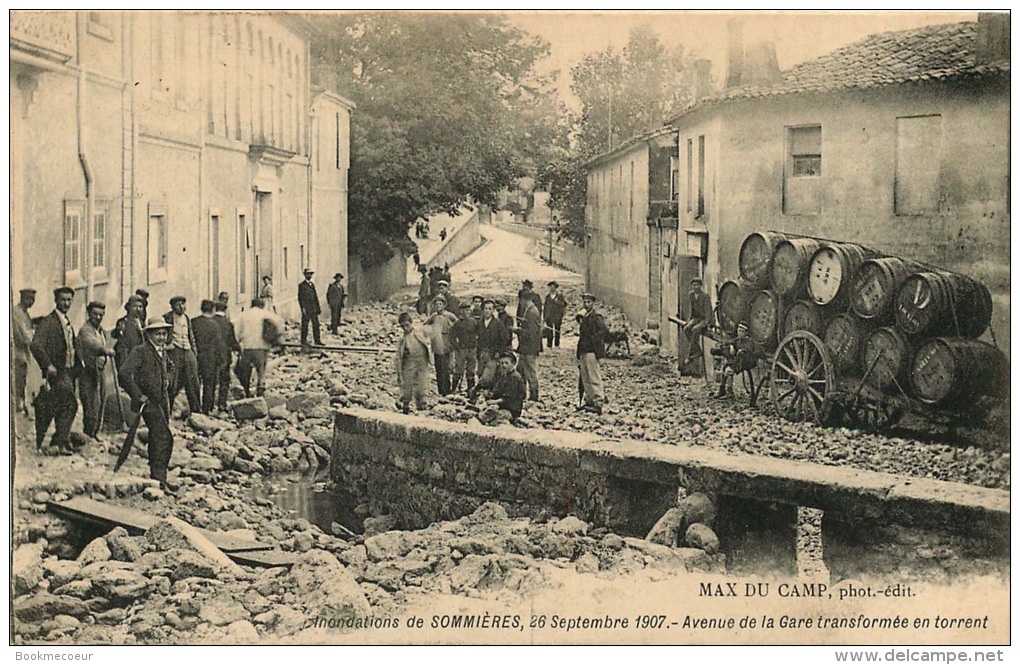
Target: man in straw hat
146 379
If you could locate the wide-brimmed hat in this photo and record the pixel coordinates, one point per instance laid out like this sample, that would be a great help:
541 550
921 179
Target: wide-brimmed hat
339 275
554 283
156 323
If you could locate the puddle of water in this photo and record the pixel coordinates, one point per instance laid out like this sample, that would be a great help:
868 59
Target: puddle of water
309 496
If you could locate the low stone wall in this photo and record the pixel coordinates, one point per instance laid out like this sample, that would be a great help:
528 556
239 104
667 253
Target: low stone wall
459 244
375 283
423 470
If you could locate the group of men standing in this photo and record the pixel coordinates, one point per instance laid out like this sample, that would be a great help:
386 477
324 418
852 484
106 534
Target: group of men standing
471 345
153 359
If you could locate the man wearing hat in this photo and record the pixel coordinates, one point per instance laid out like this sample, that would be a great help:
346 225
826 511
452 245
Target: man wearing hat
212 352
553 309
508 387
144 295
527 292
146 379
21 330
590 348
412 361
229 336
443 289
740 355
700 316
464 342
94 351
424 291
529 345
507 321
54 348
493 338
183 359
335 297
128 331
440 323
308 301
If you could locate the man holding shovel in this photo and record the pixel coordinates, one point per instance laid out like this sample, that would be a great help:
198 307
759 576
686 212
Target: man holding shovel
146 378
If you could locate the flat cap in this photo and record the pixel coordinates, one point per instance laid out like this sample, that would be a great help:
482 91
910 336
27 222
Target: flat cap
27 292
177 299
95 304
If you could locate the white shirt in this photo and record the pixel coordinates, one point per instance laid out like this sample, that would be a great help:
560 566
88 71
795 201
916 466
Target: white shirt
249 327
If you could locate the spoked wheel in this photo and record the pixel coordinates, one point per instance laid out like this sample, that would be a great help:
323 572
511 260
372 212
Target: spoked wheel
802 377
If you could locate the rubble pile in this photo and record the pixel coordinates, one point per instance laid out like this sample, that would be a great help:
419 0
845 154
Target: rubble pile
168 586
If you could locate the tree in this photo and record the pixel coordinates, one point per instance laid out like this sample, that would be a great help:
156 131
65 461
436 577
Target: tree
448 107
623 94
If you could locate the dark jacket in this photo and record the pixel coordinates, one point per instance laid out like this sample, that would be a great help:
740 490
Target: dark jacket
212 347
701 306
508 324
229 334
494 338
555 307
169 318
308 299
49 347
529 336
593 334
510 390
336 294
128 334
464 334
531 295
145 373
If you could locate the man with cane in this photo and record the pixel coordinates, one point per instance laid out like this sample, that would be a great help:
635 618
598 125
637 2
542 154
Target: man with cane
146 378
94 352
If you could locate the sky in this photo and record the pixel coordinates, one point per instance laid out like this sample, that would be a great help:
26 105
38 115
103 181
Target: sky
799 36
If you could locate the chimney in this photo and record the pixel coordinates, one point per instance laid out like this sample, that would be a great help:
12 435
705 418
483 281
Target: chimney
992 38
702 79
735 54
761 67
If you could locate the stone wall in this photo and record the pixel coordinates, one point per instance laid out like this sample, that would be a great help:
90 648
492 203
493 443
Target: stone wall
423 470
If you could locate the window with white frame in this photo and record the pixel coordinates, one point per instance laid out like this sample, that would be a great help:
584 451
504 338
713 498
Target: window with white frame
158 241
74 212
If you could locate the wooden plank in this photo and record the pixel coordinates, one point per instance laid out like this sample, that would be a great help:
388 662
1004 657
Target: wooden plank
264 558
348 349
136 522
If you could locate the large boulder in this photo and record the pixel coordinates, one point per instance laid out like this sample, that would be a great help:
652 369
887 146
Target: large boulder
326 587
43 606
697 509
27 567
207 424
172 533
97 550
308 403
124 547
193 564
222 611
570 526
252 408
702 537
122 587
376 525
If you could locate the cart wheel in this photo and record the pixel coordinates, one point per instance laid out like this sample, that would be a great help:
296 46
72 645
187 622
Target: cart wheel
802 377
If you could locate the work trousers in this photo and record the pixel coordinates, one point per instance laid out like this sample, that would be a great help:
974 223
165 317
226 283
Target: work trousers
161 440
442 361
92 391
185 374
464 364
414 382
223 385
252 361
336 314
313 320
487 364
591 379
552 333
56 403
209 374
528 367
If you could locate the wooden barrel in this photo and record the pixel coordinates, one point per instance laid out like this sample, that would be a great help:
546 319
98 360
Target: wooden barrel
734 299
954 370
843 337
875 285
755 258
763 318
943 303
790 265
803 315
832 269
887 349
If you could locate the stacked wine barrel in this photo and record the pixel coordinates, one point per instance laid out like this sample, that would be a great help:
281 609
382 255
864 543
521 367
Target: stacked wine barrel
905 327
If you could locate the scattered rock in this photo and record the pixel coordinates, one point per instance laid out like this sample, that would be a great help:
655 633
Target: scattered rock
153 493
377 525
43 606
121 587
124 547
697 508
327 589
172 533
570 526
251 408
242 631
222 611
701 536
193 564
97 550
306 403
27 567
665 530
207 424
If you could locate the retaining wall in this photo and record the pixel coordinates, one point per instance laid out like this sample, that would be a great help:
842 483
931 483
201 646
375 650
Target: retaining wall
423 470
